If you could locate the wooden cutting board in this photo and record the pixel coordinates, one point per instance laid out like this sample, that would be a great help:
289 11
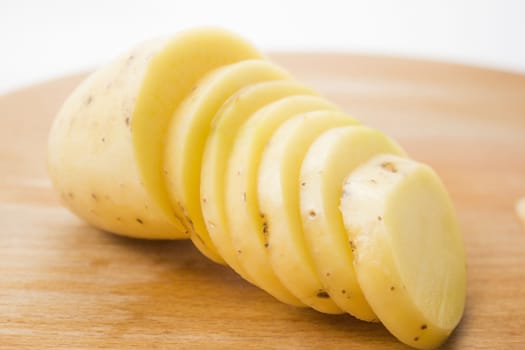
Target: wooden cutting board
65 285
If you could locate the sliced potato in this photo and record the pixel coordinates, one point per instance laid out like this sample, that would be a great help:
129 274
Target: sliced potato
333 156
224 129
278 187
106 143
171 75
187 136
241 198
91 160
408 251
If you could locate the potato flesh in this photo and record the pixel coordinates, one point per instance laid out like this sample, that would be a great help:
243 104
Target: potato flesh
173 71
329 160
225 125
278 187
91 158
189 131
409 256
241 197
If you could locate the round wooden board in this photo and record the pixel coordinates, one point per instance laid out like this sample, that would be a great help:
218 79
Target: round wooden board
65 285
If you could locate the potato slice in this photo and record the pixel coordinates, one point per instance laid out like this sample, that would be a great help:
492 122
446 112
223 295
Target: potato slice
278 188
171 75
241 199
187 136
106 143
333 156
224 129
408 251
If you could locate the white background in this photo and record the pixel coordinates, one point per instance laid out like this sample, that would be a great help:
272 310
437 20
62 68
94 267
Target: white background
43 39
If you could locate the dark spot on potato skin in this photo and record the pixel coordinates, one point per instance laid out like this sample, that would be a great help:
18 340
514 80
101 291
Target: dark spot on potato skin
423 327
389 166
416 338
94 196
379 218
323 294
352 246
312 214
265 228
392 288
89 100
126 121
139 220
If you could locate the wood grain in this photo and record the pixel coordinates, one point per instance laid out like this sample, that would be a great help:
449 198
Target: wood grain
64 285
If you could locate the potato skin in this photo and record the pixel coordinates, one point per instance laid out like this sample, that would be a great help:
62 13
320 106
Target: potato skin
90 154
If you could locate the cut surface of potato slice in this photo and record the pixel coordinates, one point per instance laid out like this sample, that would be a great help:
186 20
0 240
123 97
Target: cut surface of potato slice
329 160
241 199
90 154
408 252
278 189
188 132
172 72
225 125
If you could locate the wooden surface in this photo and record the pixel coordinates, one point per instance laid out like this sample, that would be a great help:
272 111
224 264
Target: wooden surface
64 285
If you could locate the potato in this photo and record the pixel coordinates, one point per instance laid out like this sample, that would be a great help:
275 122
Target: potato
408 252
187 136
245 224
334 155
106 143
225 125
197 136
278 188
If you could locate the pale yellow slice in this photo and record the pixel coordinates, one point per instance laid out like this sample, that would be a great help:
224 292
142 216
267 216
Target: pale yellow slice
330 159
187 136
225 125
408 251
241 199
278 188
171 75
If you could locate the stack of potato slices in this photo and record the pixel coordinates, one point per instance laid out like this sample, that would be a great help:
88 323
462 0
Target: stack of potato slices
199 136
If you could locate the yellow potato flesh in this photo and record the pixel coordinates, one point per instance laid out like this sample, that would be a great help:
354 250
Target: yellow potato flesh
408 252
241 197
330 159
187 134
278 188
172 73
225 125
